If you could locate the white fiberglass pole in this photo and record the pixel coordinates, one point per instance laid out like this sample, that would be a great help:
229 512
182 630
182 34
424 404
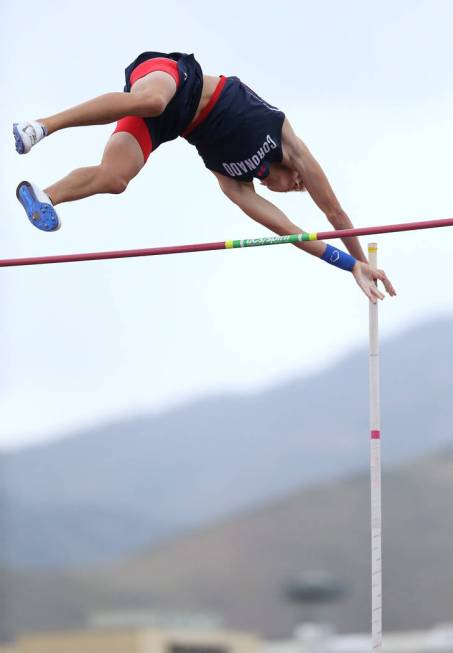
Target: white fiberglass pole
375 470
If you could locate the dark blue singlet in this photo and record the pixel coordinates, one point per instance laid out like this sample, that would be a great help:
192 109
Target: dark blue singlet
240 136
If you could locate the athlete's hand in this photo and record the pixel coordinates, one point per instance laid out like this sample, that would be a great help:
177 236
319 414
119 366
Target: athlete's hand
365 275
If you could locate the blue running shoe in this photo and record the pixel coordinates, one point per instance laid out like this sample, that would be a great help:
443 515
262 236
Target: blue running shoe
38 207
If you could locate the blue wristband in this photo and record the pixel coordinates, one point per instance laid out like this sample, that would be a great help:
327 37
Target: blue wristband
338 258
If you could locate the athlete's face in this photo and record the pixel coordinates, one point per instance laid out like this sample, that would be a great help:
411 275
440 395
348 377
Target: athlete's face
282 179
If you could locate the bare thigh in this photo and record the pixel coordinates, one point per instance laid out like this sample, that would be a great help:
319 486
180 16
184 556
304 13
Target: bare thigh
123 156
156 84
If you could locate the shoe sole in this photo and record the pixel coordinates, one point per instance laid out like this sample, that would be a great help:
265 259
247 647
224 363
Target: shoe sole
20 147
33 208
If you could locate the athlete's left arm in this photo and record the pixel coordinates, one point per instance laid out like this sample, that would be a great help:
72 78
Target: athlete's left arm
297 156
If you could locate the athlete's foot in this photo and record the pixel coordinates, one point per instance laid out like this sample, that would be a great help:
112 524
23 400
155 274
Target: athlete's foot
38 207
27 134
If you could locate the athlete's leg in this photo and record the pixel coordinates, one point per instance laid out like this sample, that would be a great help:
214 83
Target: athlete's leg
124 156
150 96
122 161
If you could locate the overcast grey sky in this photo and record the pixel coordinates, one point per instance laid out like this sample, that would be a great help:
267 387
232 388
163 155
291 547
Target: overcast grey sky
367 86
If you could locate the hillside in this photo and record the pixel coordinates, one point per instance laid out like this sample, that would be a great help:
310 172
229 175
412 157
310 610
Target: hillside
239 568
103 493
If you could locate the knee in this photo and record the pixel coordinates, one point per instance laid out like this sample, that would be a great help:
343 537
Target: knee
112 181
151 105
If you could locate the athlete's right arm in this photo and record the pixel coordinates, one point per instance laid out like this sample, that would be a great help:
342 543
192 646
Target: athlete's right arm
243 194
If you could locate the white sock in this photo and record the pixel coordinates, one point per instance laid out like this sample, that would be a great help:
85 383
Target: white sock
41 196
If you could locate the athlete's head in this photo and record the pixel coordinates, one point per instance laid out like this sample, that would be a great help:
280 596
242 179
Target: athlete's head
282 179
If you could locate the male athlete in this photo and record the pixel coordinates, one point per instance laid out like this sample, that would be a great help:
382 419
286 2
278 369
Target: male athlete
239 136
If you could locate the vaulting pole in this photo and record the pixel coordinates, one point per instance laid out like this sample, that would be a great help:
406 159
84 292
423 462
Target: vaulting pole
228 244
375 469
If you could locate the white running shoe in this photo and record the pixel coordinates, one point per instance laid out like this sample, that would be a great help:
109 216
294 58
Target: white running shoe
27 134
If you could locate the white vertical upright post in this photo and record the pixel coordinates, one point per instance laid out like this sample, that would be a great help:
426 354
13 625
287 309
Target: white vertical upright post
375 469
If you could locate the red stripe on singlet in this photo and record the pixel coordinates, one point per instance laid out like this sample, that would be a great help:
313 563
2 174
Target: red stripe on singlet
208 108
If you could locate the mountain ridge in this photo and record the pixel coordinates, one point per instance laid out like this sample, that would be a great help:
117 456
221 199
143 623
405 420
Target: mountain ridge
185 467
239 568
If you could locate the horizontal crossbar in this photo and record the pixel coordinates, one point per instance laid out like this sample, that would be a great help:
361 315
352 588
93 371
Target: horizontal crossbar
228 244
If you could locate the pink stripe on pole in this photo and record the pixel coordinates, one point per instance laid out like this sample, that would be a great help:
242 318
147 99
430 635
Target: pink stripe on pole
375 435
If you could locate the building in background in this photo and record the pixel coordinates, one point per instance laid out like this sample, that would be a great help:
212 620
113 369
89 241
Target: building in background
307 639
138 641
314 638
